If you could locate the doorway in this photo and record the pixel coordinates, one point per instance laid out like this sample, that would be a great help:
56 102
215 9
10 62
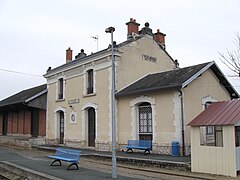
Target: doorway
5 123
34 123
145 121
61 127
91 127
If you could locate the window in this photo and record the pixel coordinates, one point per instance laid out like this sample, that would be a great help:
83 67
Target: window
237 135
209 129
90 81
208 103
60 88
145 121
215 140
218 136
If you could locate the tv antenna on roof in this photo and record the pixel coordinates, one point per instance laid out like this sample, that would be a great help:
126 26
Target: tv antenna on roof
96 39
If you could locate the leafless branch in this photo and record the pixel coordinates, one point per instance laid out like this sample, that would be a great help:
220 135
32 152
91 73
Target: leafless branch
232 58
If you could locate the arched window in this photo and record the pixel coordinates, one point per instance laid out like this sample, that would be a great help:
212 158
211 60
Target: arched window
208 103
90 81
145 121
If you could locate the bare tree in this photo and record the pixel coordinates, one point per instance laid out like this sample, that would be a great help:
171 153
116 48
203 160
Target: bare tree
232 58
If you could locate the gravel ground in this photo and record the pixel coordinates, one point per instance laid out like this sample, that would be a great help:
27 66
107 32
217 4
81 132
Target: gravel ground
6 175
146 172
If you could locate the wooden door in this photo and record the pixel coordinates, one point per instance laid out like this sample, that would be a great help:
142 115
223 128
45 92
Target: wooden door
5 123
61 126
34 123
91 127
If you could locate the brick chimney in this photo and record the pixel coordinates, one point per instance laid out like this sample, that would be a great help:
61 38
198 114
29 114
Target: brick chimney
68 55
159 37
132 28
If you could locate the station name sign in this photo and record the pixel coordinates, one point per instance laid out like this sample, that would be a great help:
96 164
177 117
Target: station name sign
73 101
149 58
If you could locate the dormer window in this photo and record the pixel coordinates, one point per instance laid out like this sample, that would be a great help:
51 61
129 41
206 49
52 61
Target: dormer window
60 88
90 81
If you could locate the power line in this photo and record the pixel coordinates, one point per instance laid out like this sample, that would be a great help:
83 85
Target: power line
17 72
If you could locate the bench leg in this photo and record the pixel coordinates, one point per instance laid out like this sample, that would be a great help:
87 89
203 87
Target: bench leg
145 152
56 160
129 149
72 165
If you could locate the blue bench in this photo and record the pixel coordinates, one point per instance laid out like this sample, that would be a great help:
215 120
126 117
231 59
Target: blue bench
139 144
69 155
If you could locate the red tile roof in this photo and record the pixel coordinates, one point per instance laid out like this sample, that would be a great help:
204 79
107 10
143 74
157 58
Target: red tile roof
219 113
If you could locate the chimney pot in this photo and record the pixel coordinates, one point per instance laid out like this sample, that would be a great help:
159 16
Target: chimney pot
68 55
146 24
146 30
81 54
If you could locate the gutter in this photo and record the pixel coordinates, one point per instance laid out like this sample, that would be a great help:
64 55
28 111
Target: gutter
182 120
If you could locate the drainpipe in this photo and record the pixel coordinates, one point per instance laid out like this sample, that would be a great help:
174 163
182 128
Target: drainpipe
182 120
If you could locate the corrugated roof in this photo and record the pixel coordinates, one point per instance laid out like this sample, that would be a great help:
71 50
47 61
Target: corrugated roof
219 113
23 95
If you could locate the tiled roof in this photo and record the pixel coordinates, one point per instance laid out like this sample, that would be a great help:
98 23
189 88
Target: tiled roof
219 113
168 80
22 96
90 56
99 53
175 79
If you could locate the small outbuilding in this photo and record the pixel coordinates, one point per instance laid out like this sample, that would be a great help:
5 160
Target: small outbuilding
24 113
215 139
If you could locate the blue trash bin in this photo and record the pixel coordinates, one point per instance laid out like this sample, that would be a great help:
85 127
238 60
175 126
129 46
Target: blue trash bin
175 148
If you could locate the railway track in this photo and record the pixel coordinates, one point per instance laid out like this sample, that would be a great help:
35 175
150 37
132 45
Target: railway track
143 172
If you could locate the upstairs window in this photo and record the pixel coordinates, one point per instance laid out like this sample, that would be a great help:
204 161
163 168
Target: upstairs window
60 88
90 81
208 103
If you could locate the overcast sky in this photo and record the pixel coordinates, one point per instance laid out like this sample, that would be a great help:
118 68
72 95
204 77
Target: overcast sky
34 34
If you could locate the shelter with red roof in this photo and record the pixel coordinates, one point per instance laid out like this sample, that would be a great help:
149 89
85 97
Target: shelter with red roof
215 139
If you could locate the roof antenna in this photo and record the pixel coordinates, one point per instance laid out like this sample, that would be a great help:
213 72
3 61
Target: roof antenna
96 39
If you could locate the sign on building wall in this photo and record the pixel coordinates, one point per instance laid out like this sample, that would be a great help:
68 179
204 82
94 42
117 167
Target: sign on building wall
73 117
73 101
149 58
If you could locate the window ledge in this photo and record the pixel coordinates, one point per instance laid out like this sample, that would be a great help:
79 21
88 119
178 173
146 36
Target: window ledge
89 95
60 100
